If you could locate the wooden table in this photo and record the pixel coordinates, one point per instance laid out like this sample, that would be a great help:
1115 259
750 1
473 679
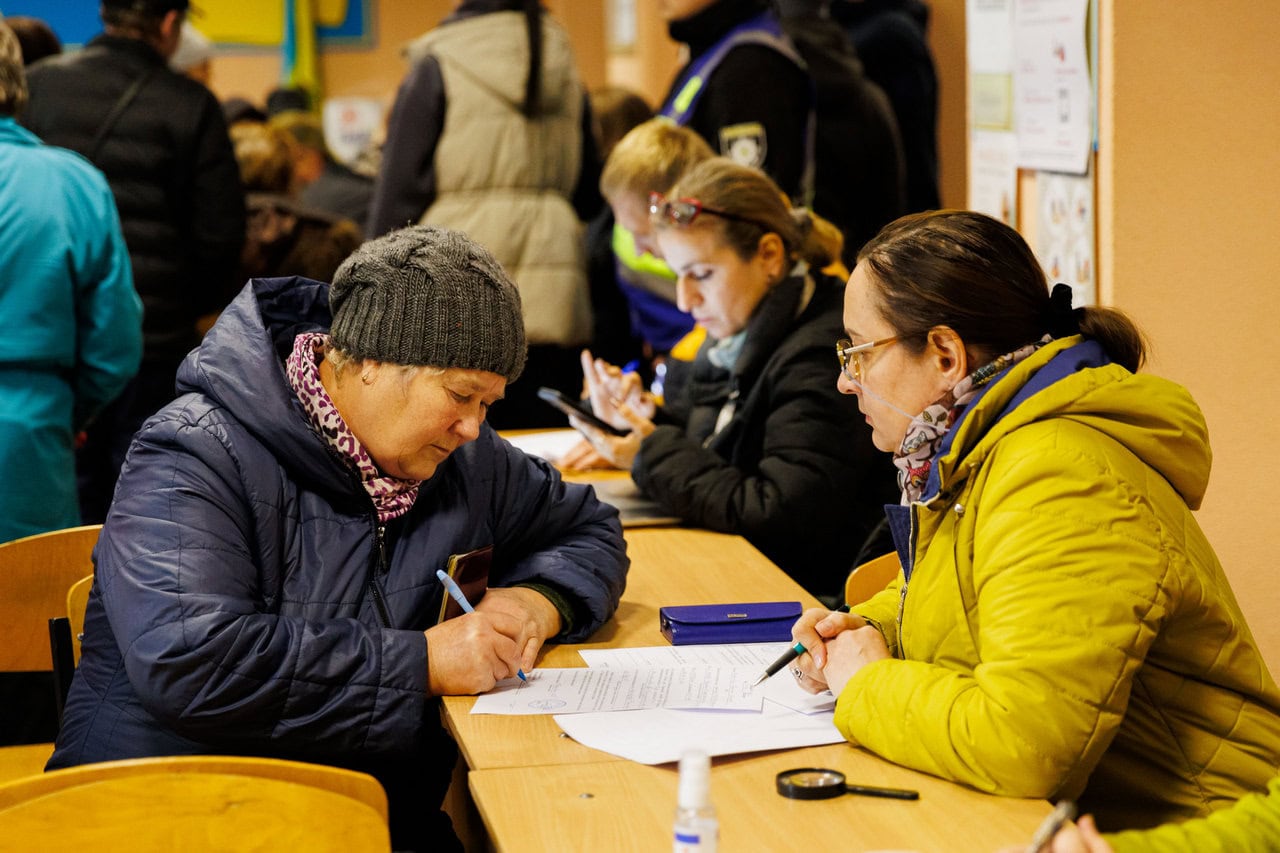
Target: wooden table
627 806
529 780
668 566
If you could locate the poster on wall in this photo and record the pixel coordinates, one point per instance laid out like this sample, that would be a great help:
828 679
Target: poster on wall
1065 233
258 23
1053 92
993 174
989 57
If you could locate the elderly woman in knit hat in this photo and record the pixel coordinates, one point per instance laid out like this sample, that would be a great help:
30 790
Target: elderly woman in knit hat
266 578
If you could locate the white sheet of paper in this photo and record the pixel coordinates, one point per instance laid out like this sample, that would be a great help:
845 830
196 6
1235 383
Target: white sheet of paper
729 654
550 444
660 735
782 688
576 691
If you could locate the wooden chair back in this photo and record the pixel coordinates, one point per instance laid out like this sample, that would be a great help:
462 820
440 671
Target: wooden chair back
77 601
196 803
870 577
35 573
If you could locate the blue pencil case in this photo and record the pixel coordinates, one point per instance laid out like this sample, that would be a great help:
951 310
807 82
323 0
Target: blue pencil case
754 622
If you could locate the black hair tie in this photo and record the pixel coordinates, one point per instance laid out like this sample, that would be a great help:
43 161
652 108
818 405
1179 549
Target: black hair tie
1063 321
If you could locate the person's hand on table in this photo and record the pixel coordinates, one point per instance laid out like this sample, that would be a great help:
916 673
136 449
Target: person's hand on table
1080 837
583 457
537 617
472 653
607 387
815 629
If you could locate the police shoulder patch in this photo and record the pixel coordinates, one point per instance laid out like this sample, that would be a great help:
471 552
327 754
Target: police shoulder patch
744 143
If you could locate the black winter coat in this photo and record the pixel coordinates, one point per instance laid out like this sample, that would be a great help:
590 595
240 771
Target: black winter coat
794 471
171 169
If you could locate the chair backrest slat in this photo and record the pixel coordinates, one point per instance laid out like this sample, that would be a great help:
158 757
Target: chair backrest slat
35 574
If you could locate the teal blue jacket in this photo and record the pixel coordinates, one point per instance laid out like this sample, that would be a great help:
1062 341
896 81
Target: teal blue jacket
70 323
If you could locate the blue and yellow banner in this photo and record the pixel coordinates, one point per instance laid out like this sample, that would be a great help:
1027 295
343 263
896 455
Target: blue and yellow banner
250 23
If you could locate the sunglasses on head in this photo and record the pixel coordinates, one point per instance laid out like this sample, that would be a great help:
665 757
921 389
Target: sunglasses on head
685 211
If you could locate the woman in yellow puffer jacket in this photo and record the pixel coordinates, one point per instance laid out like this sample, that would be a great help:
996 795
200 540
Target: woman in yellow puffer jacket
1061 626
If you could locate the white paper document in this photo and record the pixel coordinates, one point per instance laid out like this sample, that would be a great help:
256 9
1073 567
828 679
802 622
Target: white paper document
550 444
757 655
576 691
782 688
660 735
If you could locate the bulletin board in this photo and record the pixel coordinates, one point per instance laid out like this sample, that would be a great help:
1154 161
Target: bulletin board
1032 127
250 23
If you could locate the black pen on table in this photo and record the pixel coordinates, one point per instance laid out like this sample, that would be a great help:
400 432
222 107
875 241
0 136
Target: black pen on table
787 657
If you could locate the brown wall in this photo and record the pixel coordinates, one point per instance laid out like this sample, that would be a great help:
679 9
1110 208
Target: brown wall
1189 206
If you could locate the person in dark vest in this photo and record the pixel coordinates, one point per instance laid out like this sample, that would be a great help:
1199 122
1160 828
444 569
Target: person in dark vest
859 170
744 89
162 143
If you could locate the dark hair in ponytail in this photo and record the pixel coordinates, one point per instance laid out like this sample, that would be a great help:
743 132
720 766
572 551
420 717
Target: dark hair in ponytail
533 83
977 276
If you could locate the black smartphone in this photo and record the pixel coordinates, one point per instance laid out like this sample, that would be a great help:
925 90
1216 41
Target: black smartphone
571 407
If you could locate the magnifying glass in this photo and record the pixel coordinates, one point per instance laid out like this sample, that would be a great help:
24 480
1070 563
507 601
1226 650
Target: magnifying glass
819 783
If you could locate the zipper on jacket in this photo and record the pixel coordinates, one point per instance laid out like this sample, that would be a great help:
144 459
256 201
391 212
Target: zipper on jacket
725 415
379 568
906 577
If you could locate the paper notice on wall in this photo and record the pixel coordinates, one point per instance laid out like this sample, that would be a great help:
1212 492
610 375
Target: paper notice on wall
1053 94
989 56
993 174
1065 233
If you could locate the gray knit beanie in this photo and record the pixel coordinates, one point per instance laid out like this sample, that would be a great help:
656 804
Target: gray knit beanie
428 295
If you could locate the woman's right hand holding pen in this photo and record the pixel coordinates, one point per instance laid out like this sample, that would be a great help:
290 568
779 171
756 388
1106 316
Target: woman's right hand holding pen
472 652
833 640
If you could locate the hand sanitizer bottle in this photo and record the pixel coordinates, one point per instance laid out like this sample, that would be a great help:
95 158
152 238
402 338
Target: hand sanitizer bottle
696 828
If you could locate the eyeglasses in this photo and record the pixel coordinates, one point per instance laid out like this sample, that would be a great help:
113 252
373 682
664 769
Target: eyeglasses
686 210
850 353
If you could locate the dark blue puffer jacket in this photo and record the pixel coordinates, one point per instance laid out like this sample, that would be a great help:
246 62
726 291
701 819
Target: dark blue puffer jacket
232 610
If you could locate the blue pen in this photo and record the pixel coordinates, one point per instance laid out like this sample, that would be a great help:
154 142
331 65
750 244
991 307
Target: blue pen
455 592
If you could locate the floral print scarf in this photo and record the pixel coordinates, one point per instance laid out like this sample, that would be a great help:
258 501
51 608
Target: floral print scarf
392 497
914 459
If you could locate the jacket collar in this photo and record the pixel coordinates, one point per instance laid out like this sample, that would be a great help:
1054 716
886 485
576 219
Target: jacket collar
773 320
1002 396
12 133
703 29
133 47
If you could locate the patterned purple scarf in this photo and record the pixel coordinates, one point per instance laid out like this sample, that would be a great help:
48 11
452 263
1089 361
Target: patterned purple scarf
392 497
914 459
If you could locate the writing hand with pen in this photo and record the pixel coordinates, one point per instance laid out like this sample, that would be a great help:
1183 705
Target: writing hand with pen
471 653
837 645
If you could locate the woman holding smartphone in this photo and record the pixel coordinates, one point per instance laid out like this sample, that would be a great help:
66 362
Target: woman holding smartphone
752 437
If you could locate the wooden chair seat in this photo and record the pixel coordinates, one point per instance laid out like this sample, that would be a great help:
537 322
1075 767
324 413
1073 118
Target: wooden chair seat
195 803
